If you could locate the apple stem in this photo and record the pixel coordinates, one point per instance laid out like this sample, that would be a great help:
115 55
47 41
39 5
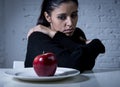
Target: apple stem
43 51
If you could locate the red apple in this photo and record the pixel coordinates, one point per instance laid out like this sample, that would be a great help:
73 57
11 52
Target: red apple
45 64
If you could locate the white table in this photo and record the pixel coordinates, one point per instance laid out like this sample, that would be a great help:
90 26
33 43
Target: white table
95 78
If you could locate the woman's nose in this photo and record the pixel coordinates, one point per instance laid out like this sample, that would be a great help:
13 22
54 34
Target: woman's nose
69 21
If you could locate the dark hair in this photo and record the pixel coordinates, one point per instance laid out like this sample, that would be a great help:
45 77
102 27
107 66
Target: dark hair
48 6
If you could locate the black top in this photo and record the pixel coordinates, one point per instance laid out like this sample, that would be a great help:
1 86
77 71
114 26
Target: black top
70 51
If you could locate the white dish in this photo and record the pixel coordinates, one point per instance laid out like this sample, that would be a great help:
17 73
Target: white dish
29 74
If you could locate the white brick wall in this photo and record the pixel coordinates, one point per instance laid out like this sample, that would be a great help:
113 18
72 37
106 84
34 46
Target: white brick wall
1 34
98 19
101 19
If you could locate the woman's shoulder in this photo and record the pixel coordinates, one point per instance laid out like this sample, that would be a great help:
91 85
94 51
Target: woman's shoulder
38 38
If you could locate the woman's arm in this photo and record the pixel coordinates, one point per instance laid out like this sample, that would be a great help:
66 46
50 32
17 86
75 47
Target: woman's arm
39 42
80 57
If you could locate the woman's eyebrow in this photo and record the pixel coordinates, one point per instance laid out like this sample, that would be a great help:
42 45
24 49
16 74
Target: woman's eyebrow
65 13
75 11
61 14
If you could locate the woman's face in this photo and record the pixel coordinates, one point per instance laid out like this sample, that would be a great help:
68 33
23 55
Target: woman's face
64 18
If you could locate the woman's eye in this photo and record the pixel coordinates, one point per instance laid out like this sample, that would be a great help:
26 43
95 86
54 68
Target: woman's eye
62 17
74 15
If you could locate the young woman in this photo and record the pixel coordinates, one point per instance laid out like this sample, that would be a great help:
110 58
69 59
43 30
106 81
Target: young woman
56 32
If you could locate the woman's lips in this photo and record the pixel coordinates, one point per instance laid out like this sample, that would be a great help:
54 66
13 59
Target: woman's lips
68 30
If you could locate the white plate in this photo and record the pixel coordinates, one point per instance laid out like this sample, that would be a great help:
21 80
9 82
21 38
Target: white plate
29 74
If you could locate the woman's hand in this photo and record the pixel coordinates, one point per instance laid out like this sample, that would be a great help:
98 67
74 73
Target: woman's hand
43 29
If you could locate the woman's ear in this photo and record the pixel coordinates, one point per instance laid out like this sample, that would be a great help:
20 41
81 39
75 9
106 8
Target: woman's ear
47 16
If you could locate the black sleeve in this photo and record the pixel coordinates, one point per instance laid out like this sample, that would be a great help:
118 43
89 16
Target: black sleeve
64 40
39 42
79 36
81 57
79 32
67 42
